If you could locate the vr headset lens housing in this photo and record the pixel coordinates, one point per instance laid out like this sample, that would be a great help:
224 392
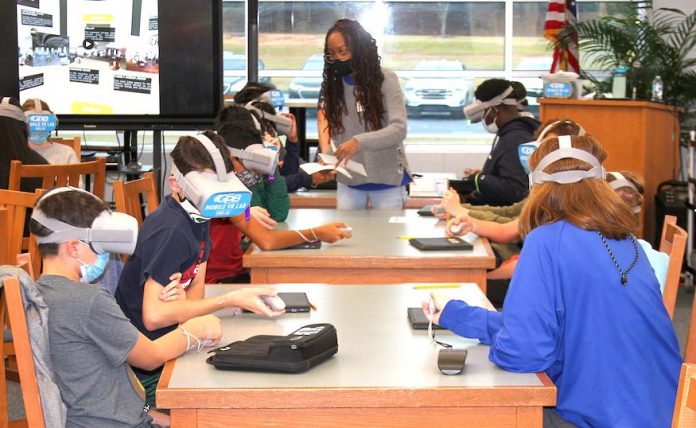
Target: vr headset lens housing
282 123
110 232
218 194
475 111
258 157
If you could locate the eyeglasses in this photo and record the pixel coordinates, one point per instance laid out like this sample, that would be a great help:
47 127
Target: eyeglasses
341 56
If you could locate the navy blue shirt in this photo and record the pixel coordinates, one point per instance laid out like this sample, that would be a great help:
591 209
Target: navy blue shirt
610 349
168 242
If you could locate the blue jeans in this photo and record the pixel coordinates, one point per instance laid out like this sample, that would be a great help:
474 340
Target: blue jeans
354 199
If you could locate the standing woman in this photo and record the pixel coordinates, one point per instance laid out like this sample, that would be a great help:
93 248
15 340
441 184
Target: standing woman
362 117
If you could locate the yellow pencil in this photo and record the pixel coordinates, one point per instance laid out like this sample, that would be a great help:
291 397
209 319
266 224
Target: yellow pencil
431 286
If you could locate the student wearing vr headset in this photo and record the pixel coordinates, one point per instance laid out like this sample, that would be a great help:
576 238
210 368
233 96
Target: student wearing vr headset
92 343
502 180
362 117
42 122
229 235
583 295
174 243
14 134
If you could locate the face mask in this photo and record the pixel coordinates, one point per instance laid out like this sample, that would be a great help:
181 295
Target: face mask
341 68
248 178
91 272
192 211
492 127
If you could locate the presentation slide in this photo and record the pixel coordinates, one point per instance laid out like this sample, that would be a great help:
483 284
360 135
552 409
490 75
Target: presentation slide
90 57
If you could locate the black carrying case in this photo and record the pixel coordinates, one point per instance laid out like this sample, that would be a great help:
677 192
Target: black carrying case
294 353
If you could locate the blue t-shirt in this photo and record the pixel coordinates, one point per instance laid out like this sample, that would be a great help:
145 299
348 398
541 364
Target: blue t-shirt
609 348
168 242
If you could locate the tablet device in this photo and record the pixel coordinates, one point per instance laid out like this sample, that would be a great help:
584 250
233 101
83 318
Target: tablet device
306 246
295 302
440 244
418 320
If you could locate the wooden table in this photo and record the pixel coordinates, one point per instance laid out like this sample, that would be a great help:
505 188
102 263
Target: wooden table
376 254
384 373
327 199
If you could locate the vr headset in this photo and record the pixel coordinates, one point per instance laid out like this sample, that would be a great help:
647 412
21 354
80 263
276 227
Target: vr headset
619 182
12 111
474 112
565 150
258 157
41 123
524 151
282 123
110 232
215 195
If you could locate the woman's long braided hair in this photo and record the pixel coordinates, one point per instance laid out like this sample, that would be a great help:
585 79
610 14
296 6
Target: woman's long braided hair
367 73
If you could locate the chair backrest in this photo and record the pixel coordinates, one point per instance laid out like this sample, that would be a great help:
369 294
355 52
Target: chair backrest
127 196
672 242
74 143
4 232
13 304
685 404
61 175
16 203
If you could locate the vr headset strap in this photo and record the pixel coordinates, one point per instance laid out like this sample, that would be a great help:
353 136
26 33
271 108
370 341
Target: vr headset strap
12 111
63 232
220 169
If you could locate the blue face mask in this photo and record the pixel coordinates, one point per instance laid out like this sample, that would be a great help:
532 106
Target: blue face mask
91 272
524 151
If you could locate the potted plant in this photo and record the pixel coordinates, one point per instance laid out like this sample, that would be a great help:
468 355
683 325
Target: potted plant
651 42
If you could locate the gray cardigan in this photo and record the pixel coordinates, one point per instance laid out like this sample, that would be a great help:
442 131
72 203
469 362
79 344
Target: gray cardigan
382 151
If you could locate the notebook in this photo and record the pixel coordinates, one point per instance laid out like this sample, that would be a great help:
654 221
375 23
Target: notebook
418 320
440 244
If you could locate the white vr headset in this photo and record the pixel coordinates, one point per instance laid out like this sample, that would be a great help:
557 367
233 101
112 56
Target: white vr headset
566 151
619 182
524 151
282 123
110 232
12 111
258 157
474 112
215 195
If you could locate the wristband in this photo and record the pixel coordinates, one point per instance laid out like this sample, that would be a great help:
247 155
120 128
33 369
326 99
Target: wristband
222 301
304 238
476 183
199 345
311 229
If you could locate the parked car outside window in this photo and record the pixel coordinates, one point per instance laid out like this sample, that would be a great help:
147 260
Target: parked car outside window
231 84
307 87
437 95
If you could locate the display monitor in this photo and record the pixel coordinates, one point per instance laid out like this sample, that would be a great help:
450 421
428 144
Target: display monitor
118 64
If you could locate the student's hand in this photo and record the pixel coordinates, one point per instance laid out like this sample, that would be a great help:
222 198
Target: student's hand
272 141
206 327
459 226
292 135
439 211
261 215
250 299
320 177
173 290
470 171
346 151
332 232
440 302
452 204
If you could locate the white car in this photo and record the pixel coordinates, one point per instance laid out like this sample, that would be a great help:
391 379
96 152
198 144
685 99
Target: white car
437 95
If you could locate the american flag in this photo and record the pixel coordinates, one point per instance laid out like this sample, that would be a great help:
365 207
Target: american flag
560 13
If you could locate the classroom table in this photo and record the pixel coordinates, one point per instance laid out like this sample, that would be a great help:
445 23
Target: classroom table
384 374
378 252
327 199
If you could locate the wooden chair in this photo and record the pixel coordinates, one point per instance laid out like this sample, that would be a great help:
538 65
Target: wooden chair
685 404
16 203
127 196
11 302
5 233
60 175
74 143
673 242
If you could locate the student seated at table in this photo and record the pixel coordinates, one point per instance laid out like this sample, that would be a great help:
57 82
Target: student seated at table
225 262
91 342
174 241
54 153
14 134
584 305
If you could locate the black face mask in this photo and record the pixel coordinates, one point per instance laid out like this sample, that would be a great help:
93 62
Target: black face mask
341 68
